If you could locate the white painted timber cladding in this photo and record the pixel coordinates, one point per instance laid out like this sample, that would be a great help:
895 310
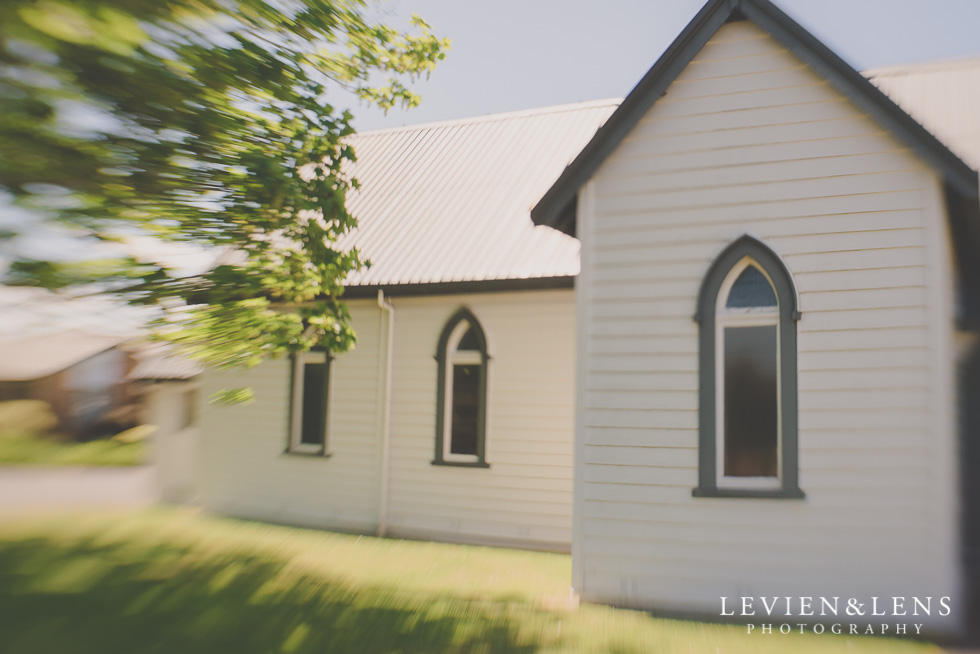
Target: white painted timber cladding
525 495
245 470
524 498
750 140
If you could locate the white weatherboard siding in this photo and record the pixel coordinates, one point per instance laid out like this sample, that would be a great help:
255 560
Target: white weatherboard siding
944 96
523 498
245 469
750 140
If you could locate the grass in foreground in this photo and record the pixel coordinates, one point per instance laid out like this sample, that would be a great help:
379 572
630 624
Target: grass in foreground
29 449
176 581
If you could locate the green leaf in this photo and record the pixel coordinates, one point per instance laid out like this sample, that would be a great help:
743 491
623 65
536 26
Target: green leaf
232 396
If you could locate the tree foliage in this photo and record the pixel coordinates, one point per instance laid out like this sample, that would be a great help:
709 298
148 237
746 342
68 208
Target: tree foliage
206 122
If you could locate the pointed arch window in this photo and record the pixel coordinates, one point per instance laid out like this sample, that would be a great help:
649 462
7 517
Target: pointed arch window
461 403
747 315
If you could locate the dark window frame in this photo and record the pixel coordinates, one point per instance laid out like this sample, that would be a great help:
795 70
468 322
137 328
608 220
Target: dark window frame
443 393
789 314
294 426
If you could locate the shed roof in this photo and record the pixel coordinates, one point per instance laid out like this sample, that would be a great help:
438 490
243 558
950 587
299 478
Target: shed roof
450 202
160 362
40 355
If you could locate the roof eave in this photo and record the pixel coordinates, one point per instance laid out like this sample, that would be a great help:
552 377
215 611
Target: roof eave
868 97
503 285
556 208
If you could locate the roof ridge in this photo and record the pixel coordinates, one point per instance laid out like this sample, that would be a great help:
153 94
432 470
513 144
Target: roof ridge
504 115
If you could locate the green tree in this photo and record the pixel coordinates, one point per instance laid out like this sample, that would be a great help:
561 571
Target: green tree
206 122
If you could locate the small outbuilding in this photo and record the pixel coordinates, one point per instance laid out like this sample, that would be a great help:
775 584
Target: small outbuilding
168 386
80 374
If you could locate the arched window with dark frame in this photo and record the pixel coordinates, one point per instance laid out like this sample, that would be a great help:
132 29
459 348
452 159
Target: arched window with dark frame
461 401
747 315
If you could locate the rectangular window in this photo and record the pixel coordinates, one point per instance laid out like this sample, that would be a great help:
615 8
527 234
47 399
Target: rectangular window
310 391
751 402
314 404
465 408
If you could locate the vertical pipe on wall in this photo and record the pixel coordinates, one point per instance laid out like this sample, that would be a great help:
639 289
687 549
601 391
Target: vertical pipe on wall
385 365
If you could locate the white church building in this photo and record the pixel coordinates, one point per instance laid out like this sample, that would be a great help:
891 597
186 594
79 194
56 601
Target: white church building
717 338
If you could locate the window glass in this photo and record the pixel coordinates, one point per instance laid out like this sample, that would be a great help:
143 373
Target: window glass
314 424
469 341
751 401
465 411
751 289
462 388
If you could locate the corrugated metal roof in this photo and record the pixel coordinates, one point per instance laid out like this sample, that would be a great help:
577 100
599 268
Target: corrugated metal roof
451 201
943 96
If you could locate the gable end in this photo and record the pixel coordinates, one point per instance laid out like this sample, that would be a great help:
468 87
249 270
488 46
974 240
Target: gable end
557 207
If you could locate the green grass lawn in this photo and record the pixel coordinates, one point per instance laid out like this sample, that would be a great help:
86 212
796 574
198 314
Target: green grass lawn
30 449
174 581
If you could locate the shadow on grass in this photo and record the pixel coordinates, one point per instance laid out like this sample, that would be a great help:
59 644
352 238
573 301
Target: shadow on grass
87 596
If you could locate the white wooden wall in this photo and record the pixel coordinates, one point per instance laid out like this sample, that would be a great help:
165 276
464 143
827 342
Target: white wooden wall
525 495
749 140
245 470
524 498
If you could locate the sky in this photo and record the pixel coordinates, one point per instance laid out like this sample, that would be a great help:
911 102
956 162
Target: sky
510 55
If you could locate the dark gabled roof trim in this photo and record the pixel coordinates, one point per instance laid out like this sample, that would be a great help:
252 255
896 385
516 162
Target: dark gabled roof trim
558 206
458 288
863 93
